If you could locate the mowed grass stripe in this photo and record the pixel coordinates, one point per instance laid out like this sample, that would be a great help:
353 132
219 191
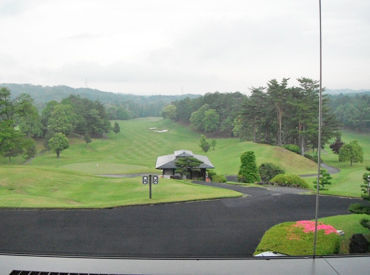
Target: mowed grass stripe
136 148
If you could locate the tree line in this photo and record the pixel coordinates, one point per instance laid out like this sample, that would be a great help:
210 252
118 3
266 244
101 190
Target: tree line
21 123
276 114
352 111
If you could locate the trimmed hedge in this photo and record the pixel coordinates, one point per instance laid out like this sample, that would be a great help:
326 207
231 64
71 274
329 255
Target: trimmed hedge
292 147
359 208
289 180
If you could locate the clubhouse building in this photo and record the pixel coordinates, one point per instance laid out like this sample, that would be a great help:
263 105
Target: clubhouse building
167 164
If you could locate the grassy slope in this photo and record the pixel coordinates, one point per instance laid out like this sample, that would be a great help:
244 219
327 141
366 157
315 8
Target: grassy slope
22 186
347 181
136 148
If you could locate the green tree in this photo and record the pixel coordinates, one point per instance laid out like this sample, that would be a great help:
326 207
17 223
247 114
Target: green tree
248 169
27 116
169 112
58 143
61 119
204 144
278 95
351 152
324 180
211 121
116 128
11 140
185 165
196 118
365 186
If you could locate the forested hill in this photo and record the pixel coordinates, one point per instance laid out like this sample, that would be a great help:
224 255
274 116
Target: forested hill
119 106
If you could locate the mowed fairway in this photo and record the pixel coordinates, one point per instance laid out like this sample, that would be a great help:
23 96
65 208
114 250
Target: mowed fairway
347 181
136 148
43 187
73 181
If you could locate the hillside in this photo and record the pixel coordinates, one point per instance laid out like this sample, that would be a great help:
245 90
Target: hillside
140 105
136 148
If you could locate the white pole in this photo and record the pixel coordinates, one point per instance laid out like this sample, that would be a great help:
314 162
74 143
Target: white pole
318 142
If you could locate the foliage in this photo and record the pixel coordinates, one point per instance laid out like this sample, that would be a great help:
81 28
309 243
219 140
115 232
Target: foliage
248 169
116 128
184 165
365 186
204 144
58 143
359 208
268 171
292 147
87 138
289 180
352 110
213 144
90 116
29 148
336 145
211 120
351 152
289 239
218 178
324 180
61 120
263 116
365 223
12 114
169 112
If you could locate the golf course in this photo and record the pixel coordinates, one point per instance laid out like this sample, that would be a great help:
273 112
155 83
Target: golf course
74 180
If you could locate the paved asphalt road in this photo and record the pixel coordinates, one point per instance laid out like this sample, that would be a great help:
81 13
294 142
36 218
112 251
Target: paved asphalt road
216 228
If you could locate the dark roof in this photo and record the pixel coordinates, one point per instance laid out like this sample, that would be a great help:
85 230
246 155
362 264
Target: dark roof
169 161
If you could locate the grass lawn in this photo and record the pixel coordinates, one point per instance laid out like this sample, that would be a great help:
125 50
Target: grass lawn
24 186
347 182
136 148
287 239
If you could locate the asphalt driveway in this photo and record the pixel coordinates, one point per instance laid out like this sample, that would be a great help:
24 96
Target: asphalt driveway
216 228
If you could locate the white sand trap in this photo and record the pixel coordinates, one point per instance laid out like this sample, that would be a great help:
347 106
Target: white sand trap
162 131
153 128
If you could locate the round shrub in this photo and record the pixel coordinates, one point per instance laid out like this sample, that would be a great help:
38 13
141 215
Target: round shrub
268 171
218 178
292 147
289 180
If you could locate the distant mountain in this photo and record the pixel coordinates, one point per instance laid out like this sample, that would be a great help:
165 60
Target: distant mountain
137 105
346 91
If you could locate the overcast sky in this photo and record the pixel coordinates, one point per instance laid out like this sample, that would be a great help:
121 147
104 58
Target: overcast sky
174 47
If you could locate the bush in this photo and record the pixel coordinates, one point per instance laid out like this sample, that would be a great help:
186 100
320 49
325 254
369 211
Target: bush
218 178
289 180
211 174
248 169
359 208
268 171
292 147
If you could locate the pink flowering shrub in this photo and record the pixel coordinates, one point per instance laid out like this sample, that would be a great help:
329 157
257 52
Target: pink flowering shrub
309 226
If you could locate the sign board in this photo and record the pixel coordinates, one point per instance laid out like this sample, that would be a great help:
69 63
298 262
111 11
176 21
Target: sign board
145 179
155 179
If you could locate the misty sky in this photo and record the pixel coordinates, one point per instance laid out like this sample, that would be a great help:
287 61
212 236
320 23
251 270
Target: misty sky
173 47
